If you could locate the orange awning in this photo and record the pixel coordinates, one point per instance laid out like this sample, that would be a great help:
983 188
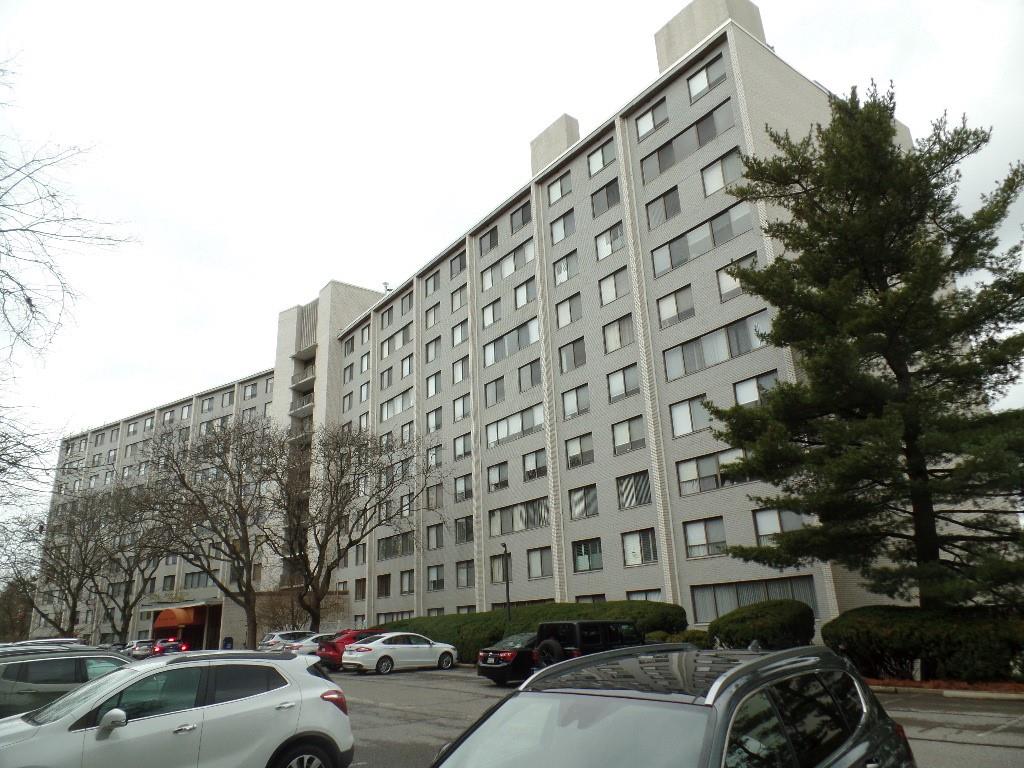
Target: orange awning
172 618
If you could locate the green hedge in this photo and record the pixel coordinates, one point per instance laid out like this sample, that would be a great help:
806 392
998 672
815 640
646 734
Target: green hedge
697 637
469 632
775 624
957 644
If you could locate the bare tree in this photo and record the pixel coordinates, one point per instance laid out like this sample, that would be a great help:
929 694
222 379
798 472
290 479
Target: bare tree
214 491
332 493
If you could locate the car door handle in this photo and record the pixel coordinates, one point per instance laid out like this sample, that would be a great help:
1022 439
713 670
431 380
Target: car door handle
285 705
185 728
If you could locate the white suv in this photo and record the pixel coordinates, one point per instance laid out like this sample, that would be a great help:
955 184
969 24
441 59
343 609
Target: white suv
214 709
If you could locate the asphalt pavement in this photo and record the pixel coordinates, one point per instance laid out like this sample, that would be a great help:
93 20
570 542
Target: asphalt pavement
404 718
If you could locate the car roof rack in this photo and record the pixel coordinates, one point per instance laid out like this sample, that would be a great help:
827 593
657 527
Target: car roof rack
181 658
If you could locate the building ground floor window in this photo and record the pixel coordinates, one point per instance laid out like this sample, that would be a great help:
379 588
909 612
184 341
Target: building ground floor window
713 600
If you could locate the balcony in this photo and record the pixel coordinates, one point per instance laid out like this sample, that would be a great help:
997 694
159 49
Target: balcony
301 406
301 432
303 380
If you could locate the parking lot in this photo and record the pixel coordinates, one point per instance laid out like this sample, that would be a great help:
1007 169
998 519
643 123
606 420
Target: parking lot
404 718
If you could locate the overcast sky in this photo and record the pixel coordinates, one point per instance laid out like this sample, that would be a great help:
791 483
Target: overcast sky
255 151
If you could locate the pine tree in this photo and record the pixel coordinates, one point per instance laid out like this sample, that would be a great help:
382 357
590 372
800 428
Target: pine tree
903 316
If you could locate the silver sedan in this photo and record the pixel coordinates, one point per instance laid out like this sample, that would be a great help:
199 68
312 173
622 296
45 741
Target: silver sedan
397 650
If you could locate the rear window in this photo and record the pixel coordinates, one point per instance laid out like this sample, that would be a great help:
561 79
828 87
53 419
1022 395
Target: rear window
515 641
566 730
845 692
51 672
816 727
623 634
239 681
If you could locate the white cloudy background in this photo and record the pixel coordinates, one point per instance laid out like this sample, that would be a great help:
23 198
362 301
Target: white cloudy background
255 151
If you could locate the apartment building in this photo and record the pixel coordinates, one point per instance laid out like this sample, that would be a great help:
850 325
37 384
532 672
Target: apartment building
557 354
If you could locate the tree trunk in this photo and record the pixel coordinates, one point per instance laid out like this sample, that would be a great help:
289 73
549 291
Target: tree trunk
250 622
314 611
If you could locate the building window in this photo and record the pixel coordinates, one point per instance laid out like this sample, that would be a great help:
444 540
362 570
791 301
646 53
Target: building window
395 405
348 373
148 424
491 313
538 563
488 241
586 555
360 590
460 370
364 362
168 584
569 311
459 298
406 366
392 343
609 241
733 340
460 333
463 446
364 334
749 391
628 435
566 267
651 595
563 226
386 378
516 425
729 286
572 355
168 417
197 580
575 402
460 407
519 517
709 127
599 598
360 556
529 375
713 600
535 464
559 188
497 476
432 348
705 472
364 392
431 284
435 578
702 238
724 171
519 258
434 420
639 547
706 78
406 303
526 292
457 264
520 217
465 609
465 574
349 346
433 455
384 585
435 536
614 286
364 421
579 451
601 157
689 416
652 119
634 490
623 383
463 488
518 338
500 572
204 407
406 582
430 316
494 392
675 307
606 197
249 391
618 334
434 496
770 522
464 529
399 545
705 537
583 502
663 208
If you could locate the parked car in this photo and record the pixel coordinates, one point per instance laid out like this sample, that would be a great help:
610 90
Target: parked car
31 676
397 650
330 651
274 641
166 645
217 708
139 649
559 640
308 645
50 641
669 705
511 658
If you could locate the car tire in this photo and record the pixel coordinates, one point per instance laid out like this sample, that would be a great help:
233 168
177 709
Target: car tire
501 682
384 665
305 755
550 652
446 661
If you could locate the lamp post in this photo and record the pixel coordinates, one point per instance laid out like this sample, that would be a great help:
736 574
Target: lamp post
508 602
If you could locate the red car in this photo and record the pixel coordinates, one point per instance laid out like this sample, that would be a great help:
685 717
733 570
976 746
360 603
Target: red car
330 651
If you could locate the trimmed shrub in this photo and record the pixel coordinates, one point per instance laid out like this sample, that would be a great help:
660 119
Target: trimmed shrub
658 636
469 632
775 624
885 641
696 637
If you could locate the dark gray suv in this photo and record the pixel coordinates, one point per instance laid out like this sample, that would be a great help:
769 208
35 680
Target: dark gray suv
31 676
670 706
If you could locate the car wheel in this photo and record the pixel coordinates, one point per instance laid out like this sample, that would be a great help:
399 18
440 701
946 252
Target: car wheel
446 661
501 682
385 665
550 652
304 756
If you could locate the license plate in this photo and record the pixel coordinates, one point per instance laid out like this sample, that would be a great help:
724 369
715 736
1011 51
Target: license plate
490 659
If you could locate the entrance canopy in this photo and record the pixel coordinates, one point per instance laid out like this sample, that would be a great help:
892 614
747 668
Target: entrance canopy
172 618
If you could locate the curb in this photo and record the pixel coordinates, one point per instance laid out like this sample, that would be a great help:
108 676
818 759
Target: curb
950 693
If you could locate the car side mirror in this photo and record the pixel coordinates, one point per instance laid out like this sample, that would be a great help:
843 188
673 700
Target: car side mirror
114 718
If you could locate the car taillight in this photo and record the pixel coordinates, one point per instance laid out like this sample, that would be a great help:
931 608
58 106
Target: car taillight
507 655
184 646
337 698
293 646
360 648
481 656
575 653
158 649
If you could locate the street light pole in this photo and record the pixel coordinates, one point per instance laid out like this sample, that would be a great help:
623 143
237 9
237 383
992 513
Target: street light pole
508 601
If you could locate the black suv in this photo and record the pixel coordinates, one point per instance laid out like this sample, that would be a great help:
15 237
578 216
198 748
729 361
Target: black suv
33 675
668 705
559 640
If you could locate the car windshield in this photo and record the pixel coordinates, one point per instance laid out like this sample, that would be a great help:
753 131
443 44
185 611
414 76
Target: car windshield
574 731
93 691
267 637
515 641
